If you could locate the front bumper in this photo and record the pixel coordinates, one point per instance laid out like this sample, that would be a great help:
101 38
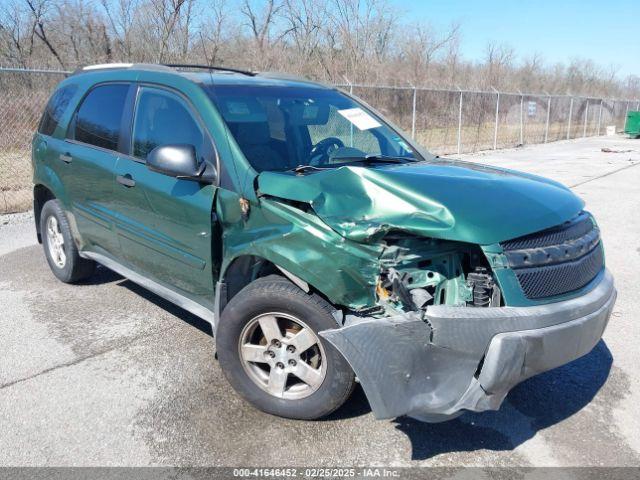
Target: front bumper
462 358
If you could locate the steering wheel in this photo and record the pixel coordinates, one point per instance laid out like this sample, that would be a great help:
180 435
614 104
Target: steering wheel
320 152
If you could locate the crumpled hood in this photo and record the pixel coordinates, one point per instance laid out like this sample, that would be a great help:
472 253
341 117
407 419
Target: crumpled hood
445 199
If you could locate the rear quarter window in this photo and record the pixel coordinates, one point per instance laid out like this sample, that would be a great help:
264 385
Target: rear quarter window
97 121
55 108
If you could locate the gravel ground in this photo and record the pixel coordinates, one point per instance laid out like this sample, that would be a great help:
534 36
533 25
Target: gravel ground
106 373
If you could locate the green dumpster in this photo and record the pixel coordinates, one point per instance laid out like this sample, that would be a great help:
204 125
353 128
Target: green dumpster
632 128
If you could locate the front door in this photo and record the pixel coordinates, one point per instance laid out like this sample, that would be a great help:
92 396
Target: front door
163 223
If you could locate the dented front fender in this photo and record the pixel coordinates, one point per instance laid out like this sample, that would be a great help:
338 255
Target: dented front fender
344 271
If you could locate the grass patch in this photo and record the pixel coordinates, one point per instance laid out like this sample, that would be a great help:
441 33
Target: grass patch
15 170
15 181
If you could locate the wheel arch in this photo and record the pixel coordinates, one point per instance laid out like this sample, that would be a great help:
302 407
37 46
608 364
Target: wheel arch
244 269
41 195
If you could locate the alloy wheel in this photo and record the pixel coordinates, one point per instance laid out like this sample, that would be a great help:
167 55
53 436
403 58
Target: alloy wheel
282 355
55 242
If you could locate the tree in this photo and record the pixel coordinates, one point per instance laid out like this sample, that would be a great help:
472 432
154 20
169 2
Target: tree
39 10
421 45
365 41
260 22
16 34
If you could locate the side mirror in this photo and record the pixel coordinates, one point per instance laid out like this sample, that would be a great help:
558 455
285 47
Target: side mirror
179 161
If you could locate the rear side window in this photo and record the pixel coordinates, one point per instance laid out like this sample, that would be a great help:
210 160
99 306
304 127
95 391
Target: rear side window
98 119
57 105
162 118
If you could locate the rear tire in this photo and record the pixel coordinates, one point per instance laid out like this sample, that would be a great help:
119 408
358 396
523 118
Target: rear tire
59 246
256 342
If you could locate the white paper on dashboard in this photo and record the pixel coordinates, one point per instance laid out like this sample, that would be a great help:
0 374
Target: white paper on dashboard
359 118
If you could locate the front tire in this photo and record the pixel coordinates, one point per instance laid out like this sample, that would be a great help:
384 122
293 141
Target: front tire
59 247
270 351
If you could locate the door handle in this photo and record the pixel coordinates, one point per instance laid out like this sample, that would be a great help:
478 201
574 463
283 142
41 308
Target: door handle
126 180
42 145
66 157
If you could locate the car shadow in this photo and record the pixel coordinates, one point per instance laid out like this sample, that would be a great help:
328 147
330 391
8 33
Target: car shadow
356 406
173 309
535 404
103 275
100 276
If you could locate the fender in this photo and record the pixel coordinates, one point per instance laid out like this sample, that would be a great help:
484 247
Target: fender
299 242
47 177
221 299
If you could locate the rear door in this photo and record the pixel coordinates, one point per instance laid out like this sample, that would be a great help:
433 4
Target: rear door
88 158
164 223
48 143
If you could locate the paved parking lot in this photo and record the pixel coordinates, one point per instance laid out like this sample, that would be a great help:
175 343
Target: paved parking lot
106 373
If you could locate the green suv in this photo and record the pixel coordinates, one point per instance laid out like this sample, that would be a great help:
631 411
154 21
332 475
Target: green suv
322 244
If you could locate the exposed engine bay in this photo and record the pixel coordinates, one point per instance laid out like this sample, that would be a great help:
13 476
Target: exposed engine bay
419 272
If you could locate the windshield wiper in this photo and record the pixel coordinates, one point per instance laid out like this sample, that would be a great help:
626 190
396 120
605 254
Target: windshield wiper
372 158
305 168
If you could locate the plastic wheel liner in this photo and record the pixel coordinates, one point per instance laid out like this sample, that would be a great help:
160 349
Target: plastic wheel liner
452 359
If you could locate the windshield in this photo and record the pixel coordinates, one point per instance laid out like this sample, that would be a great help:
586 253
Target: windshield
281 128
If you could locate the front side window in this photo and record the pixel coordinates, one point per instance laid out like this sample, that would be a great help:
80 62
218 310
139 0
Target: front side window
98 119
281 128
162 118
55 108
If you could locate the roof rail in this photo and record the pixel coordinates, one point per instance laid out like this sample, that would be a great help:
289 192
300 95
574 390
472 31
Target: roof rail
210 67
100 66
157 66
110 66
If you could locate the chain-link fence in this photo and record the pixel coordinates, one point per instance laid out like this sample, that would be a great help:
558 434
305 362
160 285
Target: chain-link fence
445 121
23 95
461 121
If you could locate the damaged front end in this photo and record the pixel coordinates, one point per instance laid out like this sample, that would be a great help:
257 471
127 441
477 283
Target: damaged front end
417 272
452 359
436 315
390 346
442 341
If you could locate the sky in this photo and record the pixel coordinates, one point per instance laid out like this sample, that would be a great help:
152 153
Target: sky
607 32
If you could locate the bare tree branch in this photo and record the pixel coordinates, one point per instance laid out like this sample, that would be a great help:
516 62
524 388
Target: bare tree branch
38 9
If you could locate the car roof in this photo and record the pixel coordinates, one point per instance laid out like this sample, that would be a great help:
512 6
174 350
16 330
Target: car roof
206 75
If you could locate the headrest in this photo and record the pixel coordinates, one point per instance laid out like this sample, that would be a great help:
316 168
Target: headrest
242 110
251 133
